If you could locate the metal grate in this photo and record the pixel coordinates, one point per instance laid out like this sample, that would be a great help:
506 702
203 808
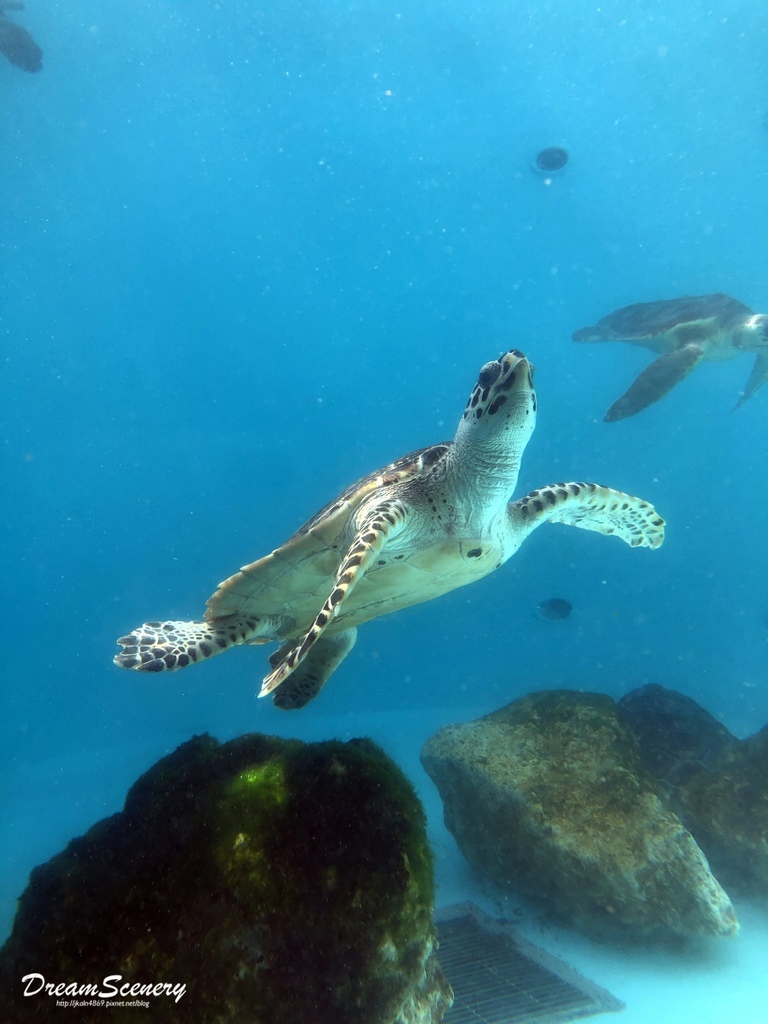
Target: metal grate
499 978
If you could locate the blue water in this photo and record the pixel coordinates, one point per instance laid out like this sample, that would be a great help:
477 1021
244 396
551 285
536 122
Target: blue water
252 251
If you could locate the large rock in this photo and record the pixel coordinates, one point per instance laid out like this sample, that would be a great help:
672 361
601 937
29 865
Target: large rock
548 797
268 880
726 808
677 738
717 784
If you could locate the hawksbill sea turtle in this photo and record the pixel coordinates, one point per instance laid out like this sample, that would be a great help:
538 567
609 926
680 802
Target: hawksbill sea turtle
434 520
686 331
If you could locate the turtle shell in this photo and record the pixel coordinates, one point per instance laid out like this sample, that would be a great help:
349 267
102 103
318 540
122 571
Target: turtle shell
293 581
645 320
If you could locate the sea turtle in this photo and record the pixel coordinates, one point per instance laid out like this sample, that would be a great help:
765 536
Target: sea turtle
685 331
434 520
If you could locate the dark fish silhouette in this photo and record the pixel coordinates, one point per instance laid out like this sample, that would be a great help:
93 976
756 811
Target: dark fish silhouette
555 608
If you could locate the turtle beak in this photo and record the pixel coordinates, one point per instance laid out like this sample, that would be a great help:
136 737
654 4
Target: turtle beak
516 367
753 333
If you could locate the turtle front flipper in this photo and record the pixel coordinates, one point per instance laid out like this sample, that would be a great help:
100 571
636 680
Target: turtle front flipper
379 525
306 681
655 381
757 378
590 507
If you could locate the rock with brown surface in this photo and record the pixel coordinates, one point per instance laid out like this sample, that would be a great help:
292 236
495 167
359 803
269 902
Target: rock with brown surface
726 808
677 738
716 783
549 797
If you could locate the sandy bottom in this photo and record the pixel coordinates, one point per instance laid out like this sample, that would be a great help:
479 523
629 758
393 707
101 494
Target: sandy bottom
47 803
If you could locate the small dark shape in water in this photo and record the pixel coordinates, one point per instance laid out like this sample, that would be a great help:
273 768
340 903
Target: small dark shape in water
555 608
551 159
18 45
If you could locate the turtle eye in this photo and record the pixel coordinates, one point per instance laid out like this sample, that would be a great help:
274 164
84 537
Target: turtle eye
489 374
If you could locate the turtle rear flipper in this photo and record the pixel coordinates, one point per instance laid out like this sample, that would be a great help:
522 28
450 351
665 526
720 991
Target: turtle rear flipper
306 681
170 645
589 507
757 378
379 525
655 381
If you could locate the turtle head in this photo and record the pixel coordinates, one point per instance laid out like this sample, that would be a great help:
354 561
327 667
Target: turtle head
753 333
501 413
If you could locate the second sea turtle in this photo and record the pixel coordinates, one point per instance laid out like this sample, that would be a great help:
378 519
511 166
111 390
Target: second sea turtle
685 332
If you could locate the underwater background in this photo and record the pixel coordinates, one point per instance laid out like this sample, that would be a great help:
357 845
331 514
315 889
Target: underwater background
252 251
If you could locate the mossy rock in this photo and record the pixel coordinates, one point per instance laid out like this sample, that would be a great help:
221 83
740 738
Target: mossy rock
549 797
279 881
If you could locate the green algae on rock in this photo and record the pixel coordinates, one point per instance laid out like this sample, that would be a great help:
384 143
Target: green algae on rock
279 881
548 796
